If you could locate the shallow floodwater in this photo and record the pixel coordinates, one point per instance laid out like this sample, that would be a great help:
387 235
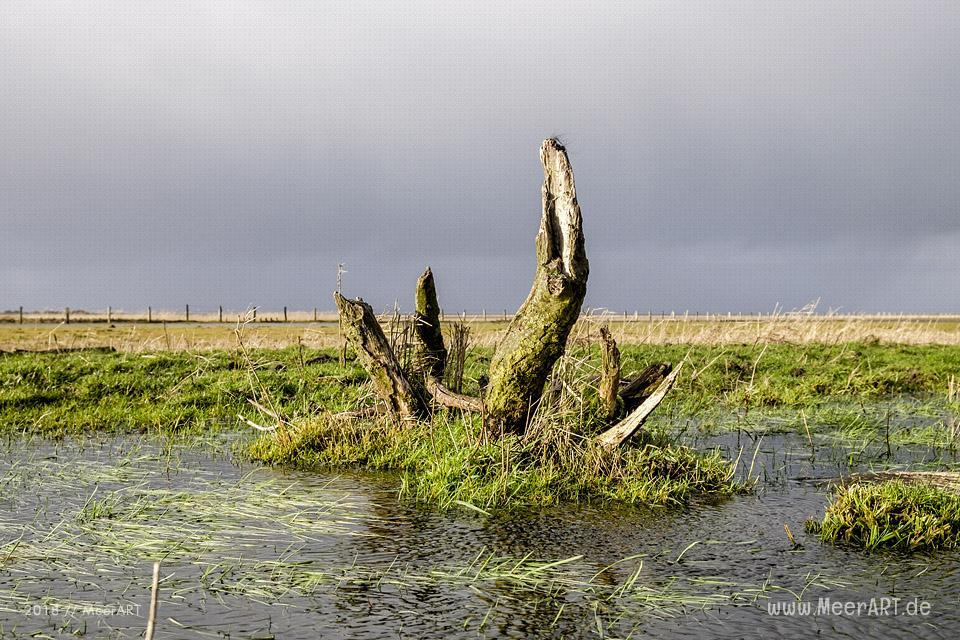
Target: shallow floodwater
253 552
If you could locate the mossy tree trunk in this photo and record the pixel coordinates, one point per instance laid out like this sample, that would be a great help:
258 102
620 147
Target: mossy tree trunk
538 333
431 352
405 399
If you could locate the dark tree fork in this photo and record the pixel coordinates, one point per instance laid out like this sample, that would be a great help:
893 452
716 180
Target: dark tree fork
534 341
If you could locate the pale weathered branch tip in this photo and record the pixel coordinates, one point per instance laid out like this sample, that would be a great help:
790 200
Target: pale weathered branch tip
623 430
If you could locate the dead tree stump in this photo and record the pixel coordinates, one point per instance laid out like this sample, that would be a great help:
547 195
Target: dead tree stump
534 340
431 353
644 385
538 333
404 399
609 375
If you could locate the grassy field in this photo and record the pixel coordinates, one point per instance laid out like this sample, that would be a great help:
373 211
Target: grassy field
68 392
190 379
857 390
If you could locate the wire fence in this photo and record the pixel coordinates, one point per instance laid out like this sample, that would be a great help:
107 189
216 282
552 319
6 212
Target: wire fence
221 315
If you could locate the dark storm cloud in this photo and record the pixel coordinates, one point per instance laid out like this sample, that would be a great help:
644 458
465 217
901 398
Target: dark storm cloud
729 155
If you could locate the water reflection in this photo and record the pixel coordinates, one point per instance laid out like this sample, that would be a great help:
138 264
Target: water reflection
339 555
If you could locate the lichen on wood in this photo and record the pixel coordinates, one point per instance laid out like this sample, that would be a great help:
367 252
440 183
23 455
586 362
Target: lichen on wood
537 335
404 398
431 355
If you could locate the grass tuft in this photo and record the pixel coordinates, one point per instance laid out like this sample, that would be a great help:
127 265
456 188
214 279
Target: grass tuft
891 515
446 462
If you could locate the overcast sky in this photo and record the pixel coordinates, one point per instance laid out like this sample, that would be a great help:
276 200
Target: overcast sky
729 156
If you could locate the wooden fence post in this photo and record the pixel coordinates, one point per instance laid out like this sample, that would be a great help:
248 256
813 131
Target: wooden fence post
21 315
66 314
220 313
188 313
284 314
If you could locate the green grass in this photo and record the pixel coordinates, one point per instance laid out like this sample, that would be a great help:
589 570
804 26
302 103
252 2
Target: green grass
891 515
446 462
165 392
852 391
58 394
796 376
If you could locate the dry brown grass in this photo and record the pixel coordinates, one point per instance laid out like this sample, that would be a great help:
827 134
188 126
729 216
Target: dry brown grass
794 330
167 333
770 329
136 337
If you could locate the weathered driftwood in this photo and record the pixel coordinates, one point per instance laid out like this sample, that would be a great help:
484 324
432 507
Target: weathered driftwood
431 354
623 430
404 399
643 385
538 332
154 591
609 375
451 399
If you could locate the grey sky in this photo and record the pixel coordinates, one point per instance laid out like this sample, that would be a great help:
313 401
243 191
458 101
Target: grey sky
728 155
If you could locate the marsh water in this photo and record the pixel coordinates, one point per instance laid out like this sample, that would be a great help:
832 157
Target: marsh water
254 552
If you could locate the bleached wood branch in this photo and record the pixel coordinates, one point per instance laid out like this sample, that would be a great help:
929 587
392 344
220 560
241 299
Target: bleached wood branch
623 430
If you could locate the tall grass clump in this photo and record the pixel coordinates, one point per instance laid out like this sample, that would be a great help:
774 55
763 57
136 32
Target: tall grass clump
447 461
891 515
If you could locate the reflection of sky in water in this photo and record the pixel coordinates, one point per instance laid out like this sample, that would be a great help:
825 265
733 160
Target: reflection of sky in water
254 551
